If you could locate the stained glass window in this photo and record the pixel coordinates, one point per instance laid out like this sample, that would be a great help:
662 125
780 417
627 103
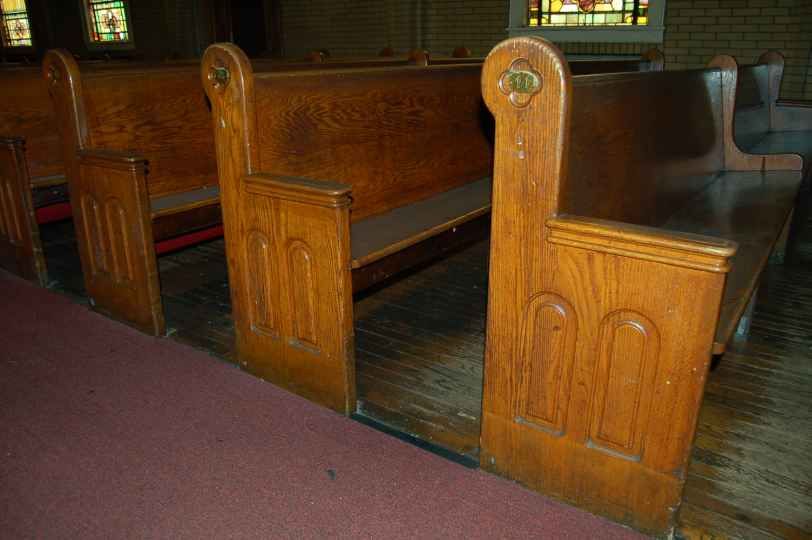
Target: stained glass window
16 27
107 21
587 12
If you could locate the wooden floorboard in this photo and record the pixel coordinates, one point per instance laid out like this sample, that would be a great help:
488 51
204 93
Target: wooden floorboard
420 344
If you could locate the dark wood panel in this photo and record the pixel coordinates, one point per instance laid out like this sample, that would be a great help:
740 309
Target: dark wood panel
395 135
659 140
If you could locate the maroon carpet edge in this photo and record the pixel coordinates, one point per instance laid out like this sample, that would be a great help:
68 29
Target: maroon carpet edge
108 433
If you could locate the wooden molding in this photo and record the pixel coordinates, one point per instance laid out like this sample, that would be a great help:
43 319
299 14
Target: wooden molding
315 192
112 159
648 243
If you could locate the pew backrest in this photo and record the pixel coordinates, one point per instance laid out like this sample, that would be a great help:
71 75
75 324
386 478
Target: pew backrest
396 135
27 112
158 112
660 135
757 91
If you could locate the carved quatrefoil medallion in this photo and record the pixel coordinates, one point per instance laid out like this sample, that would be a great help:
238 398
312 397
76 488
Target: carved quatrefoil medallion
219 77
520 82
54 75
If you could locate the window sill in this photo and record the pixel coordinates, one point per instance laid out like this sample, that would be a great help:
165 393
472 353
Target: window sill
627 34
101 46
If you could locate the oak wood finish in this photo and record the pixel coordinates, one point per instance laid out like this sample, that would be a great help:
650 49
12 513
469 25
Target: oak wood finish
605 286
20 246
29 159
117 110
36 165
328 138
102 115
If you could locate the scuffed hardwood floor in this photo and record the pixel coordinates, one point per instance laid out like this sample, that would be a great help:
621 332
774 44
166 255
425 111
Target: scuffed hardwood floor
420 342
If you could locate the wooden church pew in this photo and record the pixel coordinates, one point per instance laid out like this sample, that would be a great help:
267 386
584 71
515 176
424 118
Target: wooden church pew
332 181
623 219
364 173
165 159
137 148
32 180
34 187
150 162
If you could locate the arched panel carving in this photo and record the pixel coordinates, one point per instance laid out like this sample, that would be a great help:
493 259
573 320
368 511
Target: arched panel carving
623 388
119 248
547 355
302 293
258 270
91 216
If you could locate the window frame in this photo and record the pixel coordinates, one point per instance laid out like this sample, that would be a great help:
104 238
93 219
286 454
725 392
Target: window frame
84 6
18 49
650 33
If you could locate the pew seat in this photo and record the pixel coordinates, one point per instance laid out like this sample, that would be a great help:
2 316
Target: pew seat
748 208
185 201
781 142
377 237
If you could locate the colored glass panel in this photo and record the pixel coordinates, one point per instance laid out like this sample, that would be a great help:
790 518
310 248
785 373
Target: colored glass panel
587 12
16 27
107 21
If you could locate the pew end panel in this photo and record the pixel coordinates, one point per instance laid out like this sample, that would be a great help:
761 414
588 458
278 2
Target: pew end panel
63 79
599 332
287 244
122 278
295 259
20 246
735 158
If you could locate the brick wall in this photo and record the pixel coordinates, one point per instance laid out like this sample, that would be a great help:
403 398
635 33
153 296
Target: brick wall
695 30
347 27
476 24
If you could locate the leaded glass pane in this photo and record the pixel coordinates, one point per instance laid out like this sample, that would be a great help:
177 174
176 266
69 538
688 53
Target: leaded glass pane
107 21
16 28
587 12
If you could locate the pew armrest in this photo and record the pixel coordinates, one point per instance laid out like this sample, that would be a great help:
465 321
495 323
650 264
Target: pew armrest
648 243
303 190
116 159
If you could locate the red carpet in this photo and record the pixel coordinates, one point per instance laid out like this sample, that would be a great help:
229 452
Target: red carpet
108 433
